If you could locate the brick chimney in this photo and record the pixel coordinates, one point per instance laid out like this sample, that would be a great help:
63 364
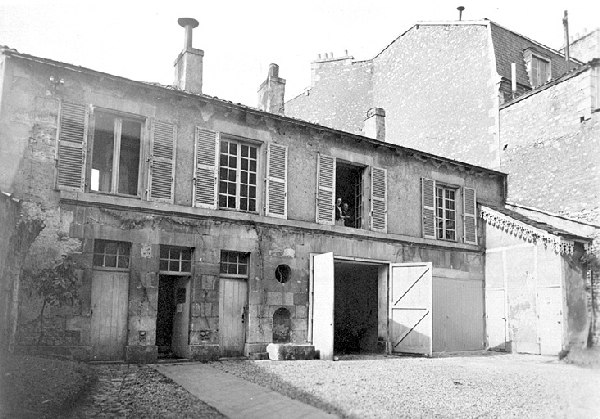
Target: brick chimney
375 124
272 91
188 65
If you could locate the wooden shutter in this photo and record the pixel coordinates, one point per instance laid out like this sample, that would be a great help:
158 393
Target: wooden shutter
276 202
378 199
325 190
162 162
205 169
72 140
470 215
428 207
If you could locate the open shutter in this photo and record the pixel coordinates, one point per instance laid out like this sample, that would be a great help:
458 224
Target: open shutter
470 215
378 199
205 169
325 189
72 136
428 207
276 202
162 162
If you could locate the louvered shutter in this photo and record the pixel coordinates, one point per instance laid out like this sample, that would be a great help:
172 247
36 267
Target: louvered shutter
205 169
470 215
162 162
325 189
378 199
72 140
276 205
428 207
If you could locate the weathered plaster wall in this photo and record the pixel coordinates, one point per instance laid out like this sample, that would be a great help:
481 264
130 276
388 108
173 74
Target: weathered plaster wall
587 47
552 138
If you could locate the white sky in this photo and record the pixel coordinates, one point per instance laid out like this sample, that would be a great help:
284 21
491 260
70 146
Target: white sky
141 39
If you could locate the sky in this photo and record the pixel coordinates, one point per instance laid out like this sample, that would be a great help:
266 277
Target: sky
141 39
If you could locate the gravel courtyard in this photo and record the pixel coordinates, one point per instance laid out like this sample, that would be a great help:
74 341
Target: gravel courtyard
517 386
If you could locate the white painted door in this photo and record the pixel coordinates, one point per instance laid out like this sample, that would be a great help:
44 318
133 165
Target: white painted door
233 297
322 304
495 306
410 306
550 320
110 294
181 317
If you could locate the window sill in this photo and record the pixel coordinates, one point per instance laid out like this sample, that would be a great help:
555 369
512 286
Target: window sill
121 195
107 268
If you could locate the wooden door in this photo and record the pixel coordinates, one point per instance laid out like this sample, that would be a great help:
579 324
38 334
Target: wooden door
410 306
181 317
550 319
496 326
323 304
233 297
110 295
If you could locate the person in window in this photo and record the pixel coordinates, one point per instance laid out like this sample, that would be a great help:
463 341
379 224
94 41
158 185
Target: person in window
338 212
347 216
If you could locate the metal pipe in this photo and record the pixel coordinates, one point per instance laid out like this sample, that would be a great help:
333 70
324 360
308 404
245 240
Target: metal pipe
566 25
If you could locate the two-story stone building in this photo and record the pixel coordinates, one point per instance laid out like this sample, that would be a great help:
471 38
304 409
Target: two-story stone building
203 228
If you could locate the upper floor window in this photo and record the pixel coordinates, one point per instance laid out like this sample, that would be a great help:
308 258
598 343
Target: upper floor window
440 212
115 154
111 254
538 68
445 207
237 175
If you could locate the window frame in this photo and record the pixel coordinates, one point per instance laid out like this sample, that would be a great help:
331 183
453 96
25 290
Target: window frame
245 276
120 117
530 58
239 141
117 255
445 187
179 259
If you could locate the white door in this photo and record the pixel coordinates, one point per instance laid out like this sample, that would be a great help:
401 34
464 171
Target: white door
550 322
495 307
110 294
322 304
233 297
410 306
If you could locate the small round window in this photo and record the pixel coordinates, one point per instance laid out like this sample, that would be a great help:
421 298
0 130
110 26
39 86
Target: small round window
282 273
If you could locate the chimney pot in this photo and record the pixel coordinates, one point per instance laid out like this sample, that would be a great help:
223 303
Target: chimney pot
460 11
273 70
189 24
189 63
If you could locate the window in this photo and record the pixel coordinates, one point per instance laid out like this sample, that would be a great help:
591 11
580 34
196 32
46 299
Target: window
111 254
237 175
348 189
234 264
445 210
174 260
115 154
540 71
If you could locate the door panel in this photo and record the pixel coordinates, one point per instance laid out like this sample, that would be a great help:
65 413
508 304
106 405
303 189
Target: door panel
550 326
233 299
323 288
495 302
110 294
181 317
411 315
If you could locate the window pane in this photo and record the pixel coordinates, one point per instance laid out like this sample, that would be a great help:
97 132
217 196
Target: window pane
123 261
129 158
244 164
231 202
244 151
233 148
164 265
252 206
110 261
174 265
253 165
186 266
110 248
223 201
253 152
103 152
98 260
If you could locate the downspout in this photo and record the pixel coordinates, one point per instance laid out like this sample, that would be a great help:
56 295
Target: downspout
495 80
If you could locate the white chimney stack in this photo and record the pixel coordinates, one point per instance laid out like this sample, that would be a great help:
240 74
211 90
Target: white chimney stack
188 66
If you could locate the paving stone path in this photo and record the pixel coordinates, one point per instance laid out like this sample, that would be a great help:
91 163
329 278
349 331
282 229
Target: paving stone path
132 391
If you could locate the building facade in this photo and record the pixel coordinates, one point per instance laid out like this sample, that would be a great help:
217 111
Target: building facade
197 228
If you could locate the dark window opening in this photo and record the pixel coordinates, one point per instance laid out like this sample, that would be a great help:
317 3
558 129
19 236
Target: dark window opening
282 273
349 195
282 325
115 154
111 254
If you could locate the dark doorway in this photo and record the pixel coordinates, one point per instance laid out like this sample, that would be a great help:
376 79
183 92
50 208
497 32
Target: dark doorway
355 308
349 187
164 316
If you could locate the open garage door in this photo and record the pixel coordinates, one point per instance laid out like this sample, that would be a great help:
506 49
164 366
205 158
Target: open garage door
410 307
322 304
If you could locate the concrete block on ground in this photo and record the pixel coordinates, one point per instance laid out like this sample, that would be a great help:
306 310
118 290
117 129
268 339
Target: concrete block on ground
290 351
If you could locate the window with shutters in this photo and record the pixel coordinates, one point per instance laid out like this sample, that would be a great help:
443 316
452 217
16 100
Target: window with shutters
115 161
349 194
538 68
238 165
445 212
